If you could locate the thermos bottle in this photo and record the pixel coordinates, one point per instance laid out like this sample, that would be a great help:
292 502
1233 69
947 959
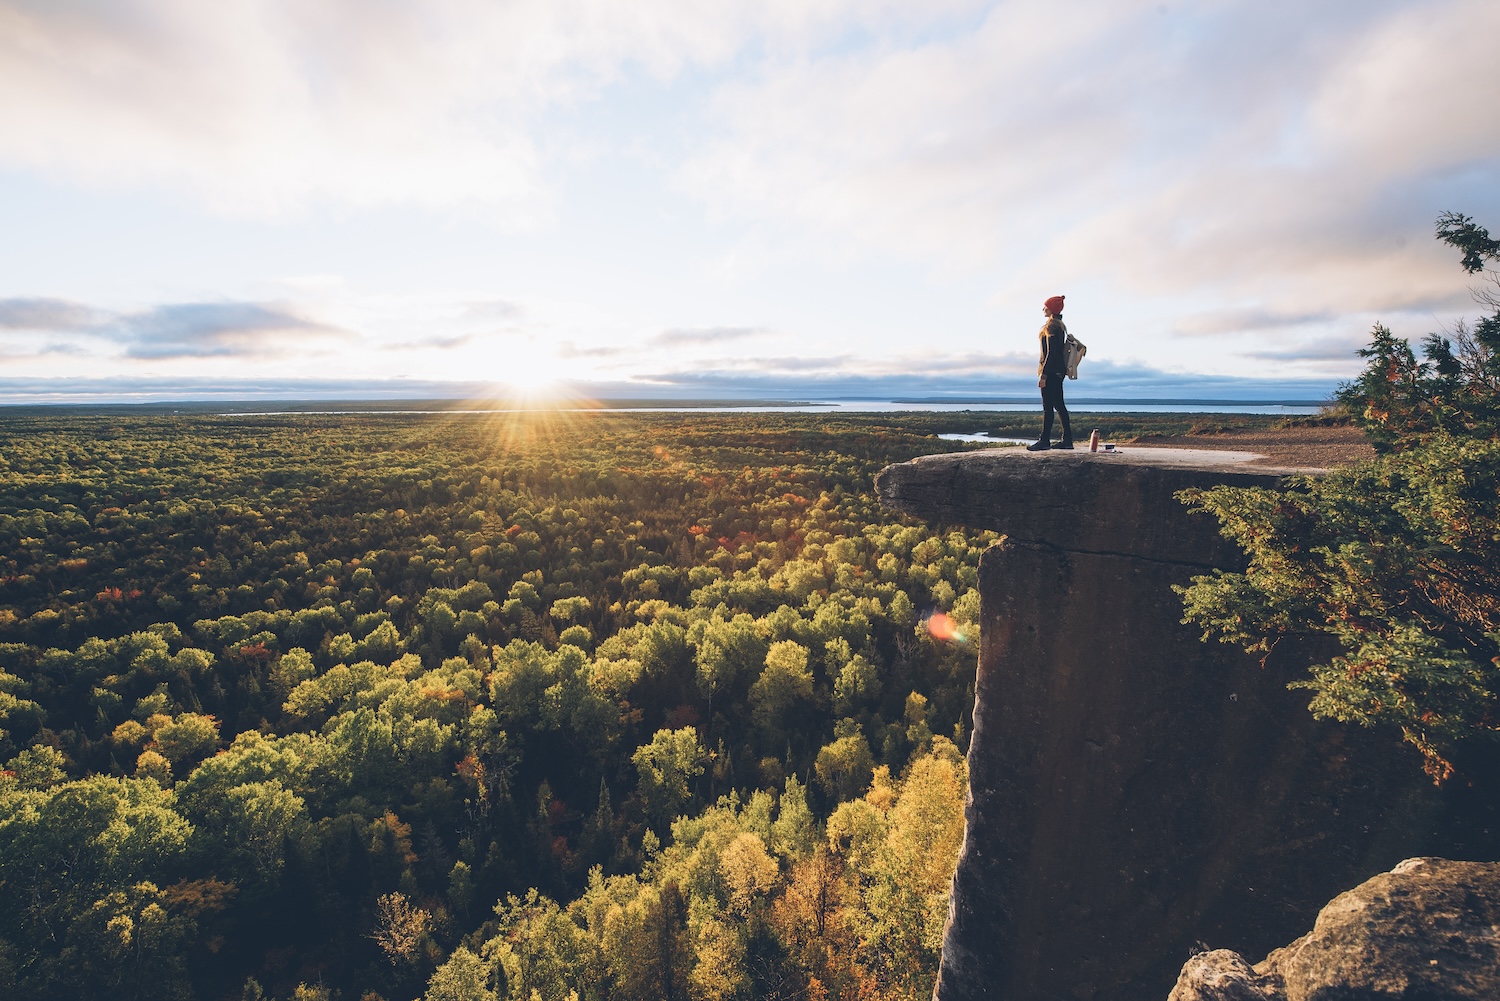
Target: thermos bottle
1094 441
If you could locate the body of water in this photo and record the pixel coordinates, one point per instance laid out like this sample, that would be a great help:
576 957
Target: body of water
986 439
1080 406
866 407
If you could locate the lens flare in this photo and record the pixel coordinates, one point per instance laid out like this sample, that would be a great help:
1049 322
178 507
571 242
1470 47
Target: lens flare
945 629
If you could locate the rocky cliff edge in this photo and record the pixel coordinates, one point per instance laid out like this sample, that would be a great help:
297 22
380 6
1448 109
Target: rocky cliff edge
1134 790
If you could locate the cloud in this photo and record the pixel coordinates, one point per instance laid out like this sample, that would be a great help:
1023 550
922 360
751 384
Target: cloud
1233 320
492 310
705 335
929 366
440 343
933 368
1331 349
45 314
261 106
450 343
1225 181
29 353
171 330
1226 151
1105 383
773 366
570 350
217 329
94 391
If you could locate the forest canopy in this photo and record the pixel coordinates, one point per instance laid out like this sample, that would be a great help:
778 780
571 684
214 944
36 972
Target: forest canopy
376 706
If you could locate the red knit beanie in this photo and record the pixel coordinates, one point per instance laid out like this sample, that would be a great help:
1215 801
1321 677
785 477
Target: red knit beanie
1054 304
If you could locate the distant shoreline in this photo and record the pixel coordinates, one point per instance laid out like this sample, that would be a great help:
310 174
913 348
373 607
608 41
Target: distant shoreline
1117 401
234 408
415 406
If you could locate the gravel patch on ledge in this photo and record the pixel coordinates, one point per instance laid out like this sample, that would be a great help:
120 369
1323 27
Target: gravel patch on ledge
1314 447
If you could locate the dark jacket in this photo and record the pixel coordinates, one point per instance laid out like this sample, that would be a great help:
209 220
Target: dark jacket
1054 338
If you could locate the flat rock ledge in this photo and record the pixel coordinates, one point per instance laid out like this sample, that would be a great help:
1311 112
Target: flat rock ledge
1429 929
1119 503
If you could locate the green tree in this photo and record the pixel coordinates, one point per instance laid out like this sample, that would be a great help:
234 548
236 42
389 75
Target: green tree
1397 560
542 951
667 768
648 945
38 768
399 927
1455 389
857 686
188 737
784 684
1394 558
907 877
20 717
727 652
129 944
795 830
80 866
844 767
464 977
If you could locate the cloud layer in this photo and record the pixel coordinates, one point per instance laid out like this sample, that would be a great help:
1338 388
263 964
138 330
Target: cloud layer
1274 153
261 104
243 330
802 189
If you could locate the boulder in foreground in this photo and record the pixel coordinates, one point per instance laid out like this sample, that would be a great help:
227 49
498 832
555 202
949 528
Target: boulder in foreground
1429 929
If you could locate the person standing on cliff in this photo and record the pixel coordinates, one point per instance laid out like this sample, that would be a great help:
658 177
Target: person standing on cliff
1050 372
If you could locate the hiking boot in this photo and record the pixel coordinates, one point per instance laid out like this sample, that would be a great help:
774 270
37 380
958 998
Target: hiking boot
1066 443
1039 446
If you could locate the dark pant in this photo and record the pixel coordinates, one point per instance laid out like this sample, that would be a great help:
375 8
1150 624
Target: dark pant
1052 399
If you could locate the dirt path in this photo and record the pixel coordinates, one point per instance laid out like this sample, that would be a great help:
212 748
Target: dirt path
1309 447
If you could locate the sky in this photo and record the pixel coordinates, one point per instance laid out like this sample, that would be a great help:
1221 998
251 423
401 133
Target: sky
693 198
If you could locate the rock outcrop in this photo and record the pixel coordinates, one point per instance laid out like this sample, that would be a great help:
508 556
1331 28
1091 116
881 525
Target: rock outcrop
1428 929
1134 790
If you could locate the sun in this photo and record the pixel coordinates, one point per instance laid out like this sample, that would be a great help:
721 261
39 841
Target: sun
526 371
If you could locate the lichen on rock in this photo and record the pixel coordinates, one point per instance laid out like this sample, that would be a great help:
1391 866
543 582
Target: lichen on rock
1224 975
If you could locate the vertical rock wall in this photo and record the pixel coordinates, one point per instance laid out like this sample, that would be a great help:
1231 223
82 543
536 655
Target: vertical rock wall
1134 791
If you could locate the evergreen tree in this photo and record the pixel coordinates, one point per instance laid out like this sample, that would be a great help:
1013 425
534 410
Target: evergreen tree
1395 558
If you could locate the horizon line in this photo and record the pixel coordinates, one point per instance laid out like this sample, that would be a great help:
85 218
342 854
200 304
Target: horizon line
562 402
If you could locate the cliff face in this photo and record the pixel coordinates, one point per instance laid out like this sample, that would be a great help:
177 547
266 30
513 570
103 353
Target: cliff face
1134 790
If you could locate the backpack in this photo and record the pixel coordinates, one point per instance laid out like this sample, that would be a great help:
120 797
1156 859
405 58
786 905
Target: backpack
1076 350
